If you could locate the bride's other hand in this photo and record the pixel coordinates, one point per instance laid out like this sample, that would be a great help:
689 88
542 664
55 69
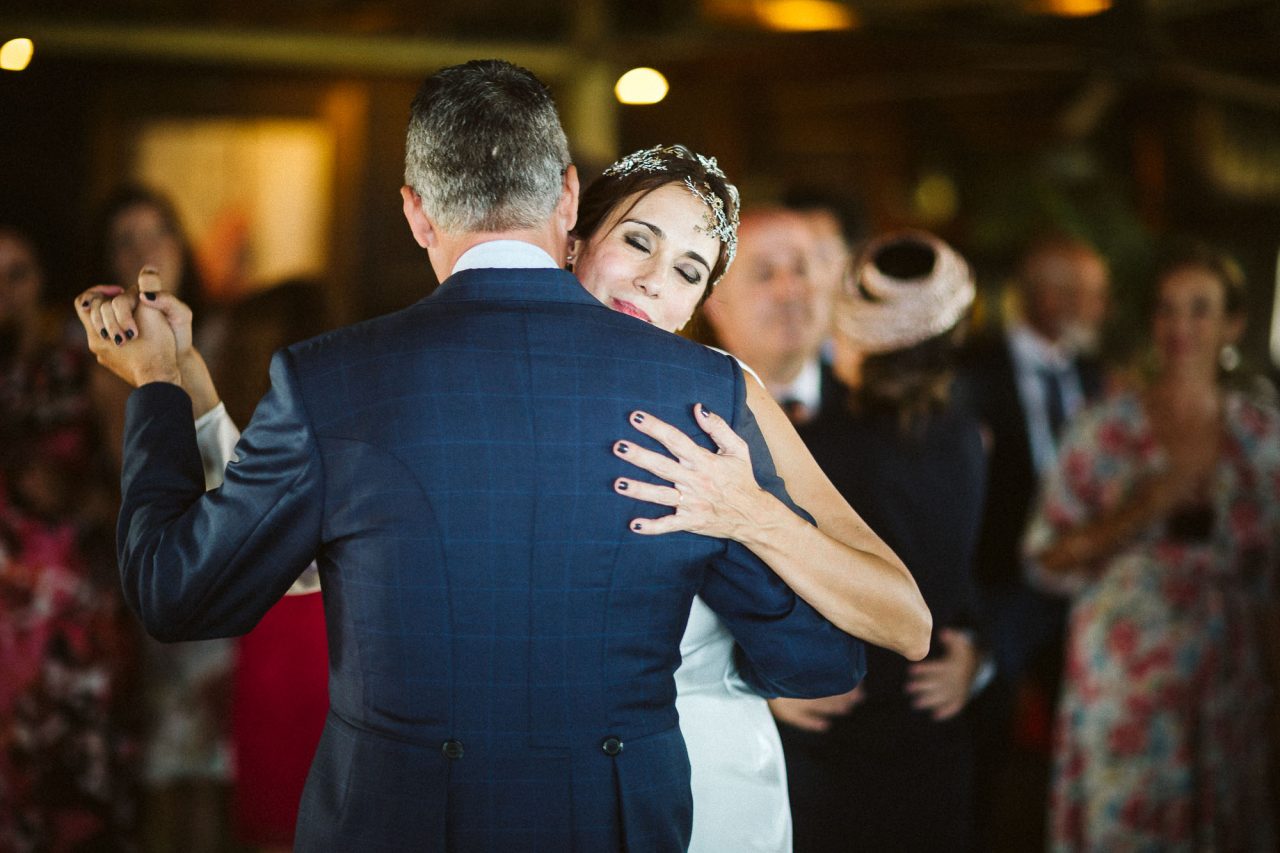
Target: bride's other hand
814 715
108 313
714 494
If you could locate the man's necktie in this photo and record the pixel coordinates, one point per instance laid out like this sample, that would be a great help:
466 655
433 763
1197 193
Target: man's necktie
797 411
1053 401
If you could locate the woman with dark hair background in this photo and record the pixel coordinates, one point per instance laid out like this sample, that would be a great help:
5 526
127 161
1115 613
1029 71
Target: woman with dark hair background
889 774
186 756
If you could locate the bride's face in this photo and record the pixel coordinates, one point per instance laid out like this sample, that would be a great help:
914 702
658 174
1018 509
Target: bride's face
651 259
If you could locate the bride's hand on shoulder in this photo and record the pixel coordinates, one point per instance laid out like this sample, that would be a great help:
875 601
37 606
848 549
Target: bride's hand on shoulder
714 494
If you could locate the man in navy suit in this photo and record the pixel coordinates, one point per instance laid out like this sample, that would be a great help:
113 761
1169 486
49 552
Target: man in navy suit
1027 382
501 645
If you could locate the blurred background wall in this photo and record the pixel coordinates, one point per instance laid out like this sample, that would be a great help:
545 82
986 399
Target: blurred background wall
278 127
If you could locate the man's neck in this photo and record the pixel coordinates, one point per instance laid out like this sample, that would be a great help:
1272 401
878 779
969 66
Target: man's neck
778 372
1047 337
1035 340
452 247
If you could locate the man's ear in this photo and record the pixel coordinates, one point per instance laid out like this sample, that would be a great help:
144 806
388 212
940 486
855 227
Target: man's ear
424 230
567 206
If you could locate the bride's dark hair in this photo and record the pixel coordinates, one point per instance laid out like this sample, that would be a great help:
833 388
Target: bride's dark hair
673 164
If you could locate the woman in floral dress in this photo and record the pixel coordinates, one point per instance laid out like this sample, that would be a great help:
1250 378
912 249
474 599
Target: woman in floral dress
1162 518
66 774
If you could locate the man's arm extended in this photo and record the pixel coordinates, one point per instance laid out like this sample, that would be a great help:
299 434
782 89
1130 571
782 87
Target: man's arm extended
196 565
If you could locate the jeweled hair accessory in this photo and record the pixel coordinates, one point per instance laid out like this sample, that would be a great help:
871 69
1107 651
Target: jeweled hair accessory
879 312
720 223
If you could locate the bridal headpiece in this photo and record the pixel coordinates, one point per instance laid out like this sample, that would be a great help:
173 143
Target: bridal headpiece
719 223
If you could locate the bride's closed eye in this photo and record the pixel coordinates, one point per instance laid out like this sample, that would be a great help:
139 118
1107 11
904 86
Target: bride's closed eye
637 242
690 274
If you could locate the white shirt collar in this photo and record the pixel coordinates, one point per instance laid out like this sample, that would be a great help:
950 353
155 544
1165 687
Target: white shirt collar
1032 357
504 254
806 388
1031 348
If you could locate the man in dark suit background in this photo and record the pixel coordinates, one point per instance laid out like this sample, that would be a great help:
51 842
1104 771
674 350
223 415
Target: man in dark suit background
1027 381
501 646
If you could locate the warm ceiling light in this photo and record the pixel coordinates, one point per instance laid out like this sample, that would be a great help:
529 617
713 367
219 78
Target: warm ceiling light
1075 8
641 86
936 198
805 15
15 54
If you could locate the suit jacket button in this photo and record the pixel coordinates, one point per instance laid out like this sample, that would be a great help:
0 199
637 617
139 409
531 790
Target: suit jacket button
611 746
452 749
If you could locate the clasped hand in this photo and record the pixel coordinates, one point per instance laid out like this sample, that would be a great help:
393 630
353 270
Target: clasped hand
138 346
714 494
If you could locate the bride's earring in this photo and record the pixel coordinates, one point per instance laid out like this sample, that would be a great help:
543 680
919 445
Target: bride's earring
568 261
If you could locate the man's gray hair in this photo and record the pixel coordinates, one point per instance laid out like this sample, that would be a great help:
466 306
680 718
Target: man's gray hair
485 150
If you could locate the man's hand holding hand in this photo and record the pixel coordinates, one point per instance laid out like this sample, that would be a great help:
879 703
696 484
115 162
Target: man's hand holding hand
138 346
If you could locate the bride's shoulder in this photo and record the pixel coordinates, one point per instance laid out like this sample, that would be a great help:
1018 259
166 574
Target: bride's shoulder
745 367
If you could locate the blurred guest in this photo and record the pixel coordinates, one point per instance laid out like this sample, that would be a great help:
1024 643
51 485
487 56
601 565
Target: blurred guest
897 752
773 308
138 227
187 764
1162 515
280 688
65 780
839 226
1027 381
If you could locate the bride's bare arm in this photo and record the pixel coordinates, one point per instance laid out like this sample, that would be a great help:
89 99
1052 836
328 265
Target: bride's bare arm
851 576
841 567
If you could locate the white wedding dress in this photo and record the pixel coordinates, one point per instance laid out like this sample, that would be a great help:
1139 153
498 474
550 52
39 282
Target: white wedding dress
738 776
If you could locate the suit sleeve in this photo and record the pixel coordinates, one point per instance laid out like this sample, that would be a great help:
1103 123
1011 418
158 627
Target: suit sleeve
785 647
196 565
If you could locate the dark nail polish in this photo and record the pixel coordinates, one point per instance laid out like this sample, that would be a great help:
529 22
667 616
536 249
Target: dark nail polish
128 333
622 447
104 334
637 418
703 411
622 486
119 340
636 526
151 297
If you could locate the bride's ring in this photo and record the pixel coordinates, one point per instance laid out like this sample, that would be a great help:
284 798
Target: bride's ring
679 497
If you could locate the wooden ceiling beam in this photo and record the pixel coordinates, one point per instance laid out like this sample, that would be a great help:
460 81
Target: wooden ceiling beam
280 49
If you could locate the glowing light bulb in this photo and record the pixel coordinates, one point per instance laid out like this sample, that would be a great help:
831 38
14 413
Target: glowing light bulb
1076 8
641 86
805 15
16 54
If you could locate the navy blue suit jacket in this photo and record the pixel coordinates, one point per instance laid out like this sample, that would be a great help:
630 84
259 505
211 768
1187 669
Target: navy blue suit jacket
1024 623
501 645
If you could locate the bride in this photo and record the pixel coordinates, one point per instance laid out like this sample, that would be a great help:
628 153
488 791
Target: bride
655 233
